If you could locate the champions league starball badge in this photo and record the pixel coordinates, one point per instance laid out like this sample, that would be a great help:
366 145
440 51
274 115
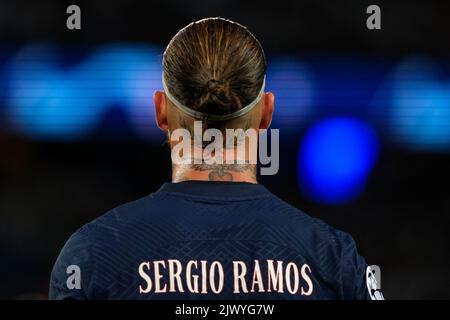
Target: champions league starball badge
373 281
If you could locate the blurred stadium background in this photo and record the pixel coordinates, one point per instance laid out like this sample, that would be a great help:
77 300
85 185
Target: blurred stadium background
364 119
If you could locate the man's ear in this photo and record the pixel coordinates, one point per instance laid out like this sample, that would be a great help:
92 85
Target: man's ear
159 98
267 110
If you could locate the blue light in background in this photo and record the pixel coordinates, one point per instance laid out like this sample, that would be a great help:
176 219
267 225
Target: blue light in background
420 113
292 84
47 95
137 70
335 158
347 83
44 102
47 101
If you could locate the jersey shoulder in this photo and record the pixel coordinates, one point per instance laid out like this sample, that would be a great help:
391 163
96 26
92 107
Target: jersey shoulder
74 274
333 252
73 270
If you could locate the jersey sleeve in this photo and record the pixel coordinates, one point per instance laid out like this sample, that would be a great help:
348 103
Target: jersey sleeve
355 272
72 273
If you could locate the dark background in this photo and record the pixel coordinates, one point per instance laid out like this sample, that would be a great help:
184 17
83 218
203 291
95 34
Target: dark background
400 219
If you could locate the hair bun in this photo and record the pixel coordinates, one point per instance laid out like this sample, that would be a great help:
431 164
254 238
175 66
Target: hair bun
219 94
214 85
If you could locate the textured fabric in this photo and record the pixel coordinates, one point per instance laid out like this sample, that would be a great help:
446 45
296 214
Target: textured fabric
208 240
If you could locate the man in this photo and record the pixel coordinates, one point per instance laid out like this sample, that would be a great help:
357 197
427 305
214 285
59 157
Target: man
213 232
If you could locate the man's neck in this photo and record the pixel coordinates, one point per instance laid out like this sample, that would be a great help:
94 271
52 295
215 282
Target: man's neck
214 172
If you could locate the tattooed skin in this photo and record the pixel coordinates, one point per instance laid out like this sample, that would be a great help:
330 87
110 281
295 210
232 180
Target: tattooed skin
220 172
224 172
217 172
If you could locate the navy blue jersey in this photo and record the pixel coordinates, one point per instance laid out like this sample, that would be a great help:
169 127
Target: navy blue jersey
209 240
